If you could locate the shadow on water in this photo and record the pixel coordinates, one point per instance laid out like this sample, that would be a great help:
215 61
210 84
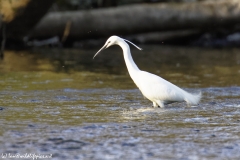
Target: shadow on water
61 102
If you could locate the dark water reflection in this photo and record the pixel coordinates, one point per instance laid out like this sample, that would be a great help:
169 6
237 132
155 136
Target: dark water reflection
62 102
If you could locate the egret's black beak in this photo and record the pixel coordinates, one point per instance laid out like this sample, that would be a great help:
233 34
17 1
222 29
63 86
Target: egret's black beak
104 47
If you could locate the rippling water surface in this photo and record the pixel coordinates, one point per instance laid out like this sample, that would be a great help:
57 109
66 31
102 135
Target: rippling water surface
61 102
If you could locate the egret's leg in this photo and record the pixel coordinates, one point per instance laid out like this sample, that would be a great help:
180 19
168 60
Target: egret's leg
189 105
155 105
160 104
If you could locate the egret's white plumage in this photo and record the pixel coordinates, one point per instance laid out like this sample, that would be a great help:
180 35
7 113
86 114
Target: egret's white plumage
153 87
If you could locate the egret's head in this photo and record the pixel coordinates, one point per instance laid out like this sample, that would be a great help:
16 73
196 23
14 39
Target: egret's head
114 40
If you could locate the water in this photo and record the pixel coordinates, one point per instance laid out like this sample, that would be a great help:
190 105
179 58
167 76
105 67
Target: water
62 103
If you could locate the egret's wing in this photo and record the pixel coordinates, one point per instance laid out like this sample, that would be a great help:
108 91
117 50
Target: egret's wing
154 87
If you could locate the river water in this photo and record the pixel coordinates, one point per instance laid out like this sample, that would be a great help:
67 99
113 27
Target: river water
61 103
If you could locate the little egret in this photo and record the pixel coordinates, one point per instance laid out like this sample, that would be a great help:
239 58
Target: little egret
153 87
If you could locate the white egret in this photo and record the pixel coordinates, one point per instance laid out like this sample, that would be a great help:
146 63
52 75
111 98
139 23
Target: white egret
153 87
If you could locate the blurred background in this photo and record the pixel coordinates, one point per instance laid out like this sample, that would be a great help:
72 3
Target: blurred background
55 99
80 23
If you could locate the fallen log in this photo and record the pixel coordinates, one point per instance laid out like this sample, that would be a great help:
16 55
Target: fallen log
178 37
141 18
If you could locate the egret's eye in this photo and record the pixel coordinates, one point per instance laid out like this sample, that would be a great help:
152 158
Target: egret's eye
109 41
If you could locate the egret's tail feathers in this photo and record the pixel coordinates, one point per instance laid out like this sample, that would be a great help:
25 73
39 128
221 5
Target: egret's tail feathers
193 99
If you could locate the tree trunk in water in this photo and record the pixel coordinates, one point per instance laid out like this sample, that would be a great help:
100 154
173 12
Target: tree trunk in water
142 18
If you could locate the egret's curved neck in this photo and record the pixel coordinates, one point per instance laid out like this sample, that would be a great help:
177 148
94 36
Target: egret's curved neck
131 66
